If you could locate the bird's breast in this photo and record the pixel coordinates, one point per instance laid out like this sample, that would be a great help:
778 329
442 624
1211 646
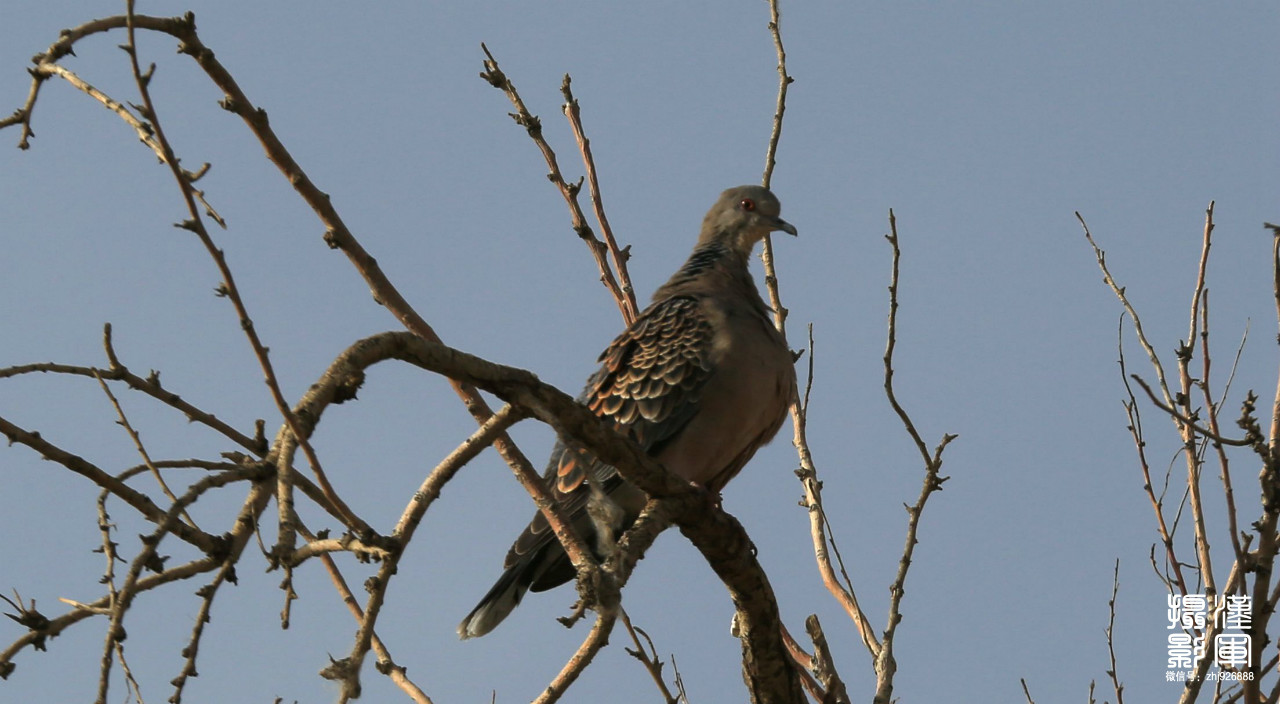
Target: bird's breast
743 404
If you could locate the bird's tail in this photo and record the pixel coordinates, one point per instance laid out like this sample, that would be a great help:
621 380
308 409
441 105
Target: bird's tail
505 594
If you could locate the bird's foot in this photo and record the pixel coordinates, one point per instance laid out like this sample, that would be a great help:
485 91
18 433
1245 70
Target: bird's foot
576 614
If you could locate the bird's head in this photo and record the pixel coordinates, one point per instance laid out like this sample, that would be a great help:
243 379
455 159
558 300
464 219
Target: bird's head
743 216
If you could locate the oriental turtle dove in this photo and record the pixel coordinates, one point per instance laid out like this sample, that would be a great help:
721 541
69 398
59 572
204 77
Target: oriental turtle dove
700 380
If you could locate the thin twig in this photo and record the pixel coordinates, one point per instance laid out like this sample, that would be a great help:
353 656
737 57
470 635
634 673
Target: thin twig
1224 465
413 513
149 559
1111 626
885 665
1187 420
108 550
195 224
1133 314
780 105
1194 463
495 77
143 129
339 236
595 640
386 664
618 256
1139 442
150 386
819 524
807 472
102 606
648 656
60 48
1027 692
206 593
136 499
775 135
128 674
142 450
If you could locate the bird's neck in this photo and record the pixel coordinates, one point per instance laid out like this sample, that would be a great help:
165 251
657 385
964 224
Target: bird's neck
715 266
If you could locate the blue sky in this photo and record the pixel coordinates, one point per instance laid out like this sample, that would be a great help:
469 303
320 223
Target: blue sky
985 126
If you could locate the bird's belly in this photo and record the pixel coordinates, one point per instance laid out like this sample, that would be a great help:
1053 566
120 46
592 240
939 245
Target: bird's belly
741 408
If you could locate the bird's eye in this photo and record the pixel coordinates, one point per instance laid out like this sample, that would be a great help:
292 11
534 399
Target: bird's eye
747 204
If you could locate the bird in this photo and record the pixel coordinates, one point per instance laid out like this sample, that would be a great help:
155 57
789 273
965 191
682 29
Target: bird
700 380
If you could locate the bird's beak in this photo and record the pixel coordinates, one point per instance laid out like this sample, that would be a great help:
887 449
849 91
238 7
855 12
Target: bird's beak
780 224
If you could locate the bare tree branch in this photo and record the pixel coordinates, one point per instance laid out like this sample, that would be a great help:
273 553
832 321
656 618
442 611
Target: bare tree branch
716 534
818 523
619 257
530 122
1110 631
428 492
647 654
142 451
885 665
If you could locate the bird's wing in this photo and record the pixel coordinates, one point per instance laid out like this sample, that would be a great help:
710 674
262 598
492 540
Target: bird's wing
648 384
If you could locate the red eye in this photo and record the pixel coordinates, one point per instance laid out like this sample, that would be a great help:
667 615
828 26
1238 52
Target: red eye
747 204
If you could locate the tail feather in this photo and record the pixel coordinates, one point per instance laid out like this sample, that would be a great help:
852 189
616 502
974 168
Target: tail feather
542 564
497 604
